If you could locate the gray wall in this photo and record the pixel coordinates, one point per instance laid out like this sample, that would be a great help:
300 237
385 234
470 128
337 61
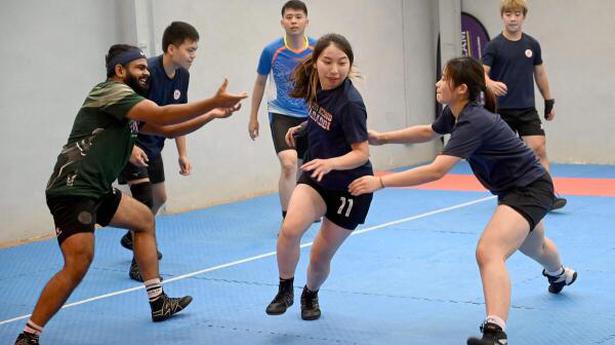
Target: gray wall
579 54
52 54
56 55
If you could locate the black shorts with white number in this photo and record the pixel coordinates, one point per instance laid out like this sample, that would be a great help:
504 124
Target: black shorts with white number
343 209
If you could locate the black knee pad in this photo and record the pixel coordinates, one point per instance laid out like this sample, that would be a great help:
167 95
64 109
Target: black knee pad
143 193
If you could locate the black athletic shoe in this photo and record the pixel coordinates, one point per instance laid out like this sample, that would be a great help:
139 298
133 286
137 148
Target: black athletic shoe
126 240
558 203
135 273
492 335
284 299
127 243
310 309
557 283
165 307
26 339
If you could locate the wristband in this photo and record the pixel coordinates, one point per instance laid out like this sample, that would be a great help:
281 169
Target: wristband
549 106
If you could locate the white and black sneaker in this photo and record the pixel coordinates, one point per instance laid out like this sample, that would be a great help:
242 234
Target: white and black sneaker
492 335
557 283
165 307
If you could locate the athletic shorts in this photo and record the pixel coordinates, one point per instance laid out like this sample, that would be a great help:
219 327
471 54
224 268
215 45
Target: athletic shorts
524 122
279 125
154 170
73 215
343 209
533 201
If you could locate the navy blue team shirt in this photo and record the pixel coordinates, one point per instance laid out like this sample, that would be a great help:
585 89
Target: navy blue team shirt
337 119
513 62
162 91
498 157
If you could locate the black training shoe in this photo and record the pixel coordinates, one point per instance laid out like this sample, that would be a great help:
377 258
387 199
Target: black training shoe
135 273
126 242
492 335
26 339
165 307
310 310
281 301
557 283
558 203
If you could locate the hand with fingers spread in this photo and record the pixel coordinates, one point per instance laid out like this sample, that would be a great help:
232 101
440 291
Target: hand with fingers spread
365 184
319 168
224 99
138 157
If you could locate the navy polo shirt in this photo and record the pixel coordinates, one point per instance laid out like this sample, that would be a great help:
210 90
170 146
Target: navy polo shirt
513 62
163 91
498 157
337 119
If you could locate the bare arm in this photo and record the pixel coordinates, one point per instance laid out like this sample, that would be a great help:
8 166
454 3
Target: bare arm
420 175
540 75
186 127
410 135
150 112
353 159
257 97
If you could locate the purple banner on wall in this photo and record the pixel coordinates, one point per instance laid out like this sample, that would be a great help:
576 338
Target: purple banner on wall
474 36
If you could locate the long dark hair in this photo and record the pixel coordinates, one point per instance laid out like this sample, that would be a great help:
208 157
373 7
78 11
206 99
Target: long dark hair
467 70
305 75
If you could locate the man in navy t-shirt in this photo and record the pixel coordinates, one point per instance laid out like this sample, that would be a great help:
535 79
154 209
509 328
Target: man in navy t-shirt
169 78
512 61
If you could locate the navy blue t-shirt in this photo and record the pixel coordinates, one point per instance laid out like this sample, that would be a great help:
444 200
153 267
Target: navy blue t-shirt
337 119
162 91
498 157
513 62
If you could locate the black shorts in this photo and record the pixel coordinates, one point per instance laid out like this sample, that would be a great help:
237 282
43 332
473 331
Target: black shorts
343 209
279 125
154 170
533 201
524 122
73 215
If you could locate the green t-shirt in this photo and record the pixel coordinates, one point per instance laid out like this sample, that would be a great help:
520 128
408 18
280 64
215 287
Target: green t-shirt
99 144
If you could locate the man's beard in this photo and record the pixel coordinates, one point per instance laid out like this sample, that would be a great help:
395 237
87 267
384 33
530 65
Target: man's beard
133 82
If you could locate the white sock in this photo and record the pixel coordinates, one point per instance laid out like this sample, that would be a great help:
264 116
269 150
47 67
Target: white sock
153 288
497 320
557 273
33 328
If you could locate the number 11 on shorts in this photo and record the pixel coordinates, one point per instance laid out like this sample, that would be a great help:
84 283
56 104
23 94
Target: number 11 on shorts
345 201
